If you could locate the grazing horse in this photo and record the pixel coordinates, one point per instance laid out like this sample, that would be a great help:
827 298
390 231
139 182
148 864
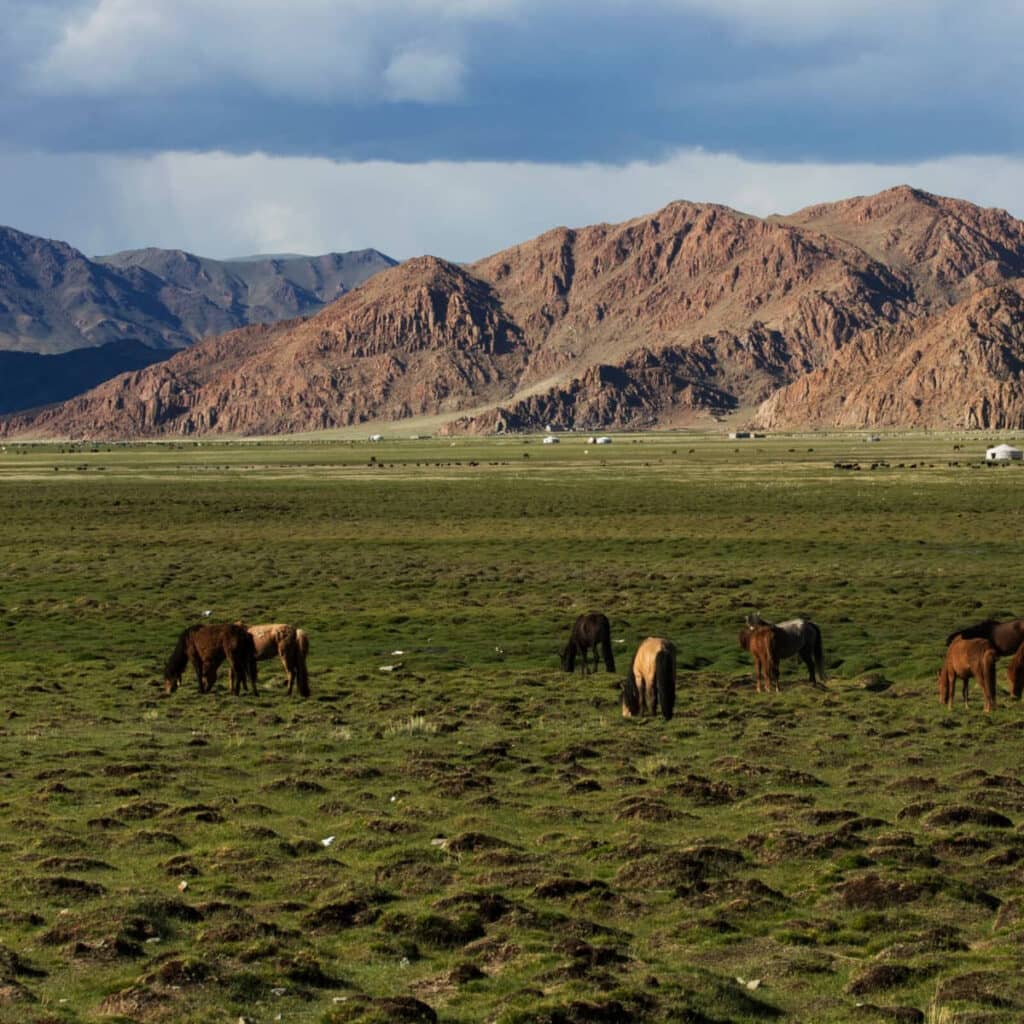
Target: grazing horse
207 647
1015 674
290 644
966 658
651 683
589 632
797 637
1005 637
764 643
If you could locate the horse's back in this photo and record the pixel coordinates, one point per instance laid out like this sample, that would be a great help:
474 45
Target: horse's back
645 659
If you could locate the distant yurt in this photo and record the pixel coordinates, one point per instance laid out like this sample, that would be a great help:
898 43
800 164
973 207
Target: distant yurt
1002 453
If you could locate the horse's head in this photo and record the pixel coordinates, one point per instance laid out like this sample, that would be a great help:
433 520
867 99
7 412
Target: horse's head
568 656
630 697
171 682
754 619
745 636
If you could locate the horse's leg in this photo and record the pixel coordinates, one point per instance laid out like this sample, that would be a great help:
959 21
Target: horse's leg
808 660
209 675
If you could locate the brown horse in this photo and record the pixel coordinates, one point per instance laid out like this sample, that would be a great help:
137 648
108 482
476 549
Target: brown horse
794 637
1015 674
651 683
764 643
207 647
1005 637
966 658
589 632
290 644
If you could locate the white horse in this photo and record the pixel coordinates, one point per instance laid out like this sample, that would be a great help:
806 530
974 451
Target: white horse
797 637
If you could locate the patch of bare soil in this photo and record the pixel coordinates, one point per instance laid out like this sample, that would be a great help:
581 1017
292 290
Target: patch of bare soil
872 892
879 978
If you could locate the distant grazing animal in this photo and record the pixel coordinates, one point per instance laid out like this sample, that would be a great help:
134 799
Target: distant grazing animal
1006 637
797 637
651 683
290 644
206 648
1015 674
763 642
589 632
966 658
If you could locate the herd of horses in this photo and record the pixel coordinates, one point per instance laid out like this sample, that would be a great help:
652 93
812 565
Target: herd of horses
208 646
650 684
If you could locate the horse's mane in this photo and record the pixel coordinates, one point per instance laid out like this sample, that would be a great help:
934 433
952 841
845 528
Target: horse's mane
981 629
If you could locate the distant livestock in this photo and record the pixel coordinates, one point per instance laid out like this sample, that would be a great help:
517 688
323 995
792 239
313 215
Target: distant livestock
650 686
590 632
796 637
966 658
206 648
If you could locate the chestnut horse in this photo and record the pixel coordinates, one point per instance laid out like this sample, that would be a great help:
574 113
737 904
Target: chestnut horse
207 647
589 632
764 643
290 644
1015 673
797 637
1005 637
651 683
966 658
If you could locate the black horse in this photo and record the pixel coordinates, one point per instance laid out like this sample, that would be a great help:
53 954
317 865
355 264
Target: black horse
589 632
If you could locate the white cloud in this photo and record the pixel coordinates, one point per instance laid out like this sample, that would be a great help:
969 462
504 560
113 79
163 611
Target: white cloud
217 204
321 49
424 77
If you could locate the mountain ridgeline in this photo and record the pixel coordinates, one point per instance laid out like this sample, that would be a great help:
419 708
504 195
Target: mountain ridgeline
899 309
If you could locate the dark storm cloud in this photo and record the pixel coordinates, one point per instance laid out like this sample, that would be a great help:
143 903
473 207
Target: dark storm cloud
414 80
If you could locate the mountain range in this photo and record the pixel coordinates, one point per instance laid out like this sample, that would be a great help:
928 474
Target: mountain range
68 322
898 309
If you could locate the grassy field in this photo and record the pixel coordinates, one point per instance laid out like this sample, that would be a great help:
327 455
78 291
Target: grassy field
474 835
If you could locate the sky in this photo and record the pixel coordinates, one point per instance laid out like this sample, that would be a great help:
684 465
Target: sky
461 127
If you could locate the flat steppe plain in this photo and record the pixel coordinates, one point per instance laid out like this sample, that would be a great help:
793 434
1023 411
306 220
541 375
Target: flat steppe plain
506 847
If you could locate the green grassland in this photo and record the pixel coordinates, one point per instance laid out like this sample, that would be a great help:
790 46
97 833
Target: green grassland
505 846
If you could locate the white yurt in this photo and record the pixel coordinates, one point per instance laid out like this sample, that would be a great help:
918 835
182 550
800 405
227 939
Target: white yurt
1003 452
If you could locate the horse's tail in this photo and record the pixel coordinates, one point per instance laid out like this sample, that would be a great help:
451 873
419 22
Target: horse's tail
301 672
606 648
665 681
819 653
630 697
248 659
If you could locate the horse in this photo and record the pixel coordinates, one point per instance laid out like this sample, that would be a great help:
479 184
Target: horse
797 637
207 647
1015 674
588 632
764 643
651 683
967 657
1005 637
290 644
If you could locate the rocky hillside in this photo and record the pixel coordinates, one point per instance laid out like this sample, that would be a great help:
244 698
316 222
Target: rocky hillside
900 308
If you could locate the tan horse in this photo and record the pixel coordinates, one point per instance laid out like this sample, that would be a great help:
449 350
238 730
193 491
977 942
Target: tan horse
763 642
966 658
651 683
290 644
